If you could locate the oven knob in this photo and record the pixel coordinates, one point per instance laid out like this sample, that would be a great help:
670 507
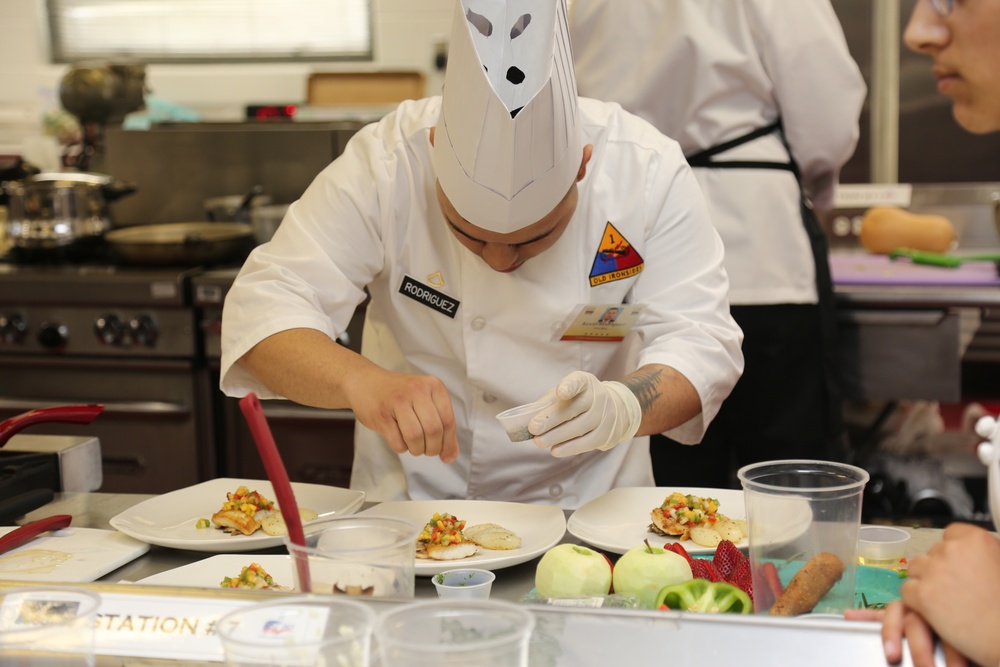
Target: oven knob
13 328
110 330
53 336
143 330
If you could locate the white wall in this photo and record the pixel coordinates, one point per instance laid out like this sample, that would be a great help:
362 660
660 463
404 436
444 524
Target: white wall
406 32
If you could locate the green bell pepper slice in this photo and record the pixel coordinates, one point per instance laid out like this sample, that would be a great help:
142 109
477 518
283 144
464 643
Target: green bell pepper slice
704 596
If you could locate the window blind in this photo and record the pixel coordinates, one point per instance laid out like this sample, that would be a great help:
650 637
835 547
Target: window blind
210 30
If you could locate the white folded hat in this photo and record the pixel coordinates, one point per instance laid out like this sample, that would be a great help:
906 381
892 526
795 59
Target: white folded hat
508 144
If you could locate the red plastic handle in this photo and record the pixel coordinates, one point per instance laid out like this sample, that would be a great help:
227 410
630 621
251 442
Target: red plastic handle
253 411
76 414
30 531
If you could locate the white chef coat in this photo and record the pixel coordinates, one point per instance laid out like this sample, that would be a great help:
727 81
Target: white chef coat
371 219
705 72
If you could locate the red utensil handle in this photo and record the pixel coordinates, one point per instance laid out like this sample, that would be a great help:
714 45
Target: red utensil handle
253 411
30 531
76 414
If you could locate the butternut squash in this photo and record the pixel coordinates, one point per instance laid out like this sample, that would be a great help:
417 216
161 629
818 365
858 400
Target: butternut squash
887 228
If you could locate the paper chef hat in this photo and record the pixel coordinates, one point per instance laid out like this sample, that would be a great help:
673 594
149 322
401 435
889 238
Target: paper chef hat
508 143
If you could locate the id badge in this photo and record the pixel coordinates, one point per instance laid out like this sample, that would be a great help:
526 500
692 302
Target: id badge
608 322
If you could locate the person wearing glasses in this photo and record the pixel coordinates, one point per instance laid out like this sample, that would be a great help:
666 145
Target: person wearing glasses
952 591
764 98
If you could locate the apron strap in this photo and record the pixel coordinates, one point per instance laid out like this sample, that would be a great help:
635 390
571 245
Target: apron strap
824 283
703 158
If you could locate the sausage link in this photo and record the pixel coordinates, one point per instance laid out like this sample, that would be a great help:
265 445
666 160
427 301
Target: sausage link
809 585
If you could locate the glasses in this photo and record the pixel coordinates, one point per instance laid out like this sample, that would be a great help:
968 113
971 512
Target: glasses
943 7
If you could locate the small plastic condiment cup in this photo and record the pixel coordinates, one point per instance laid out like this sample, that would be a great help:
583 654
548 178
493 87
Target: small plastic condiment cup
515 421
464 584
881 546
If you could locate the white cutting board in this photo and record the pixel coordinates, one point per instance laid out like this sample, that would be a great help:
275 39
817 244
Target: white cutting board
77 555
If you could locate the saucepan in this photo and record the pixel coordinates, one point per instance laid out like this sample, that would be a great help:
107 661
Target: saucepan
60 209
182 243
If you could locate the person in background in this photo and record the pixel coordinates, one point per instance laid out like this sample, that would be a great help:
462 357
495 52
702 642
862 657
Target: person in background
951 592
480 223
764 99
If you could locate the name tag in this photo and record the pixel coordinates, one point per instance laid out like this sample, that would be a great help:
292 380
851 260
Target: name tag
602 322
429 296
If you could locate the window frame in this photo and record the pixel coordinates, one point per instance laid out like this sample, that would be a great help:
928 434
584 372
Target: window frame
58 54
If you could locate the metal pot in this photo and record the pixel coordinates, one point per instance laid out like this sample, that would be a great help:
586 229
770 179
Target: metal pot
181 243
57 210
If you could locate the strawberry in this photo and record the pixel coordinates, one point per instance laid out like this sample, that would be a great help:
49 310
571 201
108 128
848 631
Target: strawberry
678 549
727 557
741 577
704 569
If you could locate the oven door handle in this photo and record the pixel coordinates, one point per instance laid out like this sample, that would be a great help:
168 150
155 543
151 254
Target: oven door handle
282 412
158 408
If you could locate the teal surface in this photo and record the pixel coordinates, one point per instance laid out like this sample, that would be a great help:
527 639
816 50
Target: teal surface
879 585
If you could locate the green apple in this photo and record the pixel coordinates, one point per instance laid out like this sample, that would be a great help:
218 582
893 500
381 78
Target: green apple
572 571
643 570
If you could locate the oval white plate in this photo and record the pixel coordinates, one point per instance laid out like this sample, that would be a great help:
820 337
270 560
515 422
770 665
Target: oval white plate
540 527
619 519
171 520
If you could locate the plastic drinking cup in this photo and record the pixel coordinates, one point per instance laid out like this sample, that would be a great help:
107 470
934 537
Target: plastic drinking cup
48 625
296 631
797 509
455 633
359 555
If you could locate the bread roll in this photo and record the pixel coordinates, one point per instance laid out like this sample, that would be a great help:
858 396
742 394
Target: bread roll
887 228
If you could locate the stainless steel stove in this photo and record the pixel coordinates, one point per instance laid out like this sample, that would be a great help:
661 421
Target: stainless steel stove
126 337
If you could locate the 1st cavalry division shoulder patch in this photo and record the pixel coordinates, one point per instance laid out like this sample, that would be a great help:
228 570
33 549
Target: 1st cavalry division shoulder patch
616 259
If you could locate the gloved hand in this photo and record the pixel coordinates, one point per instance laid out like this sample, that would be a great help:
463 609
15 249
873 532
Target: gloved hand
587 414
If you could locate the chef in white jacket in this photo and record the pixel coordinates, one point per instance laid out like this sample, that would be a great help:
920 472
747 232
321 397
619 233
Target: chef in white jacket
492 228
764 99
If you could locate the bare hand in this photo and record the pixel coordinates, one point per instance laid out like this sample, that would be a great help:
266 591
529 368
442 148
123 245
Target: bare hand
412 412
953 589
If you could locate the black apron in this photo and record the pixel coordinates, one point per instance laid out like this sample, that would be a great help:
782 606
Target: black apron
824 283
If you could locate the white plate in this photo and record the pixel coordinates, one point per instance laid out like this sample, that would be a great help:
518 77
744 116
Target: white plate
209 572
619 519
540 527
170 520
78 555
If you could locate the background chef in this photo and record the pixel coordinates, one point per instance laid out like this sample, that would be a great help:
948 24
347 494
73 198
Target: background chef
764 98
480 223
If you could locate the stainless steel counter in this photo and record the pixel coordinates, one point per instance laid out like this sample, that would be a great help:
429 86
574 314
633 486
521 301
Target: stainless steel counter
562 637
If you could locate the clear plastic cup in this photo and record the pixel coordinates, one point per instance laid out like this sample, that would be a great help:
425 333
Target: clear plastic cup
464 584
515 421
48 625
455 633
302 630
881 546
796 510
358 555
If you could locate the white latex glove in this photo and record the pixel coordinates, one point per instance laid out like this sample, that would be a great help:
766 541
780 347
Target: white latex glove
586 414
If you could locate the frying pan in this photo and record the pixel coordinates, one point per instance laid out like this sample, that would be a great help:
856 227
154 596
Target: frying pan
76 414
181 243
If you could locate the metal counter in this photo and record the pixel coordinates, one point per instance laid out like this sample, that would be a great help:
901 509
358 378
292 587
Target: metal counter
563 636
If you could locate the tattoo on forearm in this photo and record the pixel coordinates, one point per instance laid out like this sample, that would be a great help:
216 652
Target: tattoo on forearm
644 384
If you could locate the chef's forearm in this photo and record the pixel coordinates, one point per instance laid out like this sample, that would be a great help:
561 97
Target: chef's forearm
306 366
667 398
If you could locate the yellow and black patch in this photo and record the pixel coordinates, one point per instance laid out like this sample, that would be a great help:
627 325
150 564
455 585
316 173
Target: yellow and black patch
616 259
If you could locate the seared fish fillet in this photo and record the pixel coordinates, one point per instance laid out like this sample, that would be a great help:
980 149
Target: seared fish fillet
233 521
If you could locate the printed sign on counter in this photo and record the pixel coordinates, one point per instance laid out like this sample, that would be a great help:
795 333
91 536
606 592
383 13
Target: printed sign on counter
145 626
